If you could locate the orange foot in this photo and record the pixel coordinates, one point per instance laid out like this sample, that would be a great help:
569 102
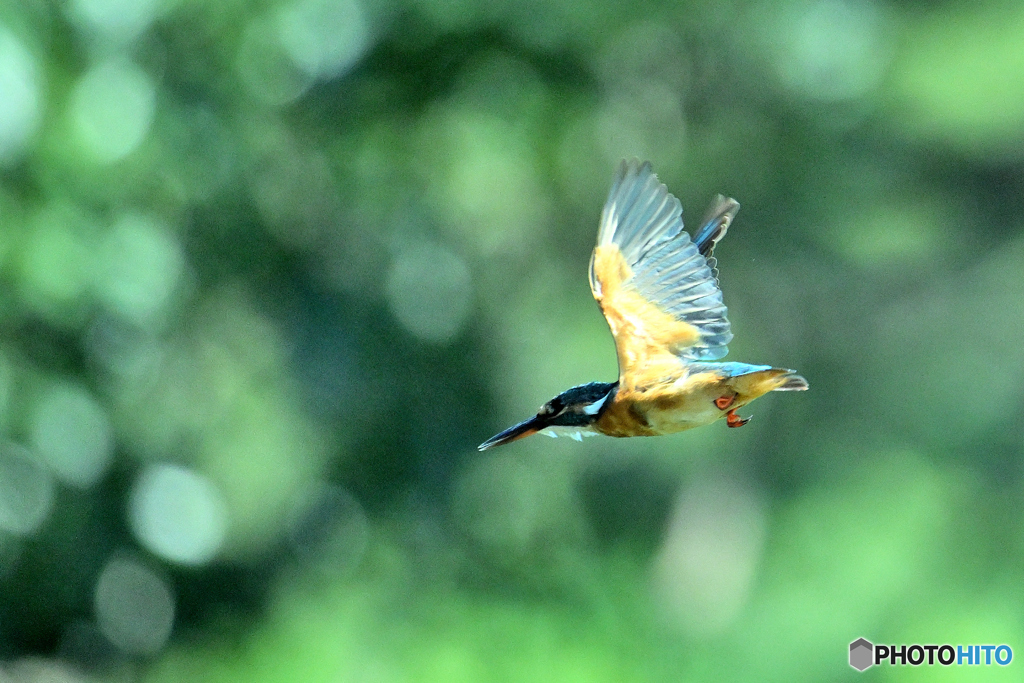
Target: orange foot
734 420
724 402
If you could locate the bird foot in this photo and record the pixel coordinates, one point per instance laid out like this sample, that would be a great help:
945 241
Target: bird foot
724 402
734 420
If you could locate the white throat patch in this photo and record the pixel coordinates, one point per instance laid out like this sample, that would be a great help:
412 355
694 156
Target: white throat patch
594 407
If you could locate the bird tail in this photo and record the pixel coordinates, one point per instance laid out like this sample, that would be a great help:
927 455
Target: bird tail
753 384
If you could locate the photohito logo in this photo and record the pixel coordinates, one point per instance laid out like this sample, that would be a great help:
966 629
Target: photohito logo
863 653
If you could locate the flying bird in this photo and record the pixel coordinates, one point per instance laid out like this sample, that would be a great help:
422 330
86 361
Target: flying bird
659 292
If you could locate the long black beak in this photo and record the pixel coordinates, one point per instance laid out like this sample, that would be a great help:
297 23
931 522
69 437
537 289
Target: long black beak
523 429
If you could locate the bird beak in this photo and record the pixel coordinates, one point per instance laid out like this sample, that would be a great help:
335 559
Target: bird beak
523 429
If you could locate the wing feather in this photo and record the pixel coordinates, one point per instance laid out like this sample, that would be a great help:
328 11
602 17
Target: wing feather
657 288
713 228
639 213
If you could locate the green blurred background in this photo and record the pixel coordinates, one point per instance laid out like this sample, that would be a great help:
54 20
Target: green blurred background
271 270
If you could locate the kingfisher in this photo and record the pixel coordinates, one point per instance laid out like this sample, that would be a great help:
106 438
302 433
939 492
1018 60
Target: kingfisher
659 292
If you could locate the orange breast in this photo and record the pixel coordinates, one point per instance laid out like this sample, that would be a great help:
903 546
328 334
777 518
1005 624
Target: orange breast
624 418
663 408
643 332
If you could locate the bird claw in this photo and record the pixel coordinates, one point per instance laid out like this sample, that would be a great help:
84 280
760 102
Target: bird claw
734 420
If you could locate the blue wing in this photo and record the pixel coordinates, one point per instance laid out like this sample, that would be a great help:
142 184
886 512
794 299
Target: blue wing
716 221
666 268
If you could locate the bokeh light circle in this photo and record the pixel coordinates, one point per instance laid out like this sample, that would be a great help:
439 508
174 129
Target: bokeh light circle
140 264
26 490
117 19
429 289
830 49
71 432
704 572
112 108
324 38
21 101
178 514
134 607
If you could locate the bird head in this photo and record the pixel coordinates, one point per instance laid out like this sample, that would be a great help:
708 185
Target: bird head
575 408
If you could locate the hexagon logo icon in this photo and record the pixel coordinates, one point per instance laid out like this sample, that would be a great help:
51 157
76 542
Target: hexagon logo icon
861 654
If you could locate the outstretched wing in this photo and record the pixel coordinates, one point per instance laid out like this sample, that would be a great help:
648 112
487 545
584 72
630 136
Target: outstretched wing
716 222
655 286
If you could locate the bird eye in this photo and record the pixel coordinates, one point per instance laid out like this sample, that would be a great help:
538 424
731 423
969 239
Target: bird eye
552 407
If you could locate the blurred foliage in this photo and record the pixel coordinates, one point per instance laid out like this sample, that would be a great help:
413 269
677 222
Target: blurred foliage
272 269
